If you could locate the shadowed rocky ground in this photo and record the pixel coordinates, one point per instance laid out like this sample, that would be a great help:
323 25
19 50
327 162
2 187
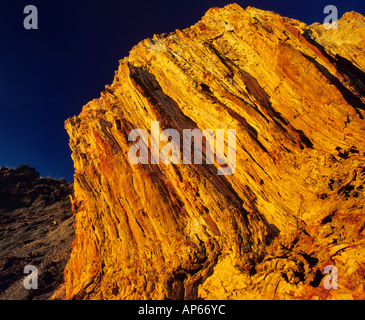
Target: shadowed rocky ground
35 228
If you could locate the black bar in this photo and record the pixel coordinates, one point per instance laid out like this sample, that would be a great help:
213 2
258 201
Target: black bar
197 309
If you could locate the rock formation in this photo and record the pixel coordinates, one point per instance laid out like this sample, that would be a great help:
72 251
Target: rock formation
36 228
295 203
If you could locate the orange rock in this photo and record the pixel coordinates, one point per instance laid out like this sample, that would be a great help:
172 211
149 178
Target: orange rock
295 95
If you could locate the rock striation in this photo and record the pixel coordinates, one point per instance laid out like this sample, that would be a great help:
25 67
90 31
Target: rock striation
295 204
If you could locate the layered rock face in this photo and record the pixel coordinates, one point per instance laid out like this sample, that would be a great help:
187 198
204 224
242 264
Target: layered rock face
295 96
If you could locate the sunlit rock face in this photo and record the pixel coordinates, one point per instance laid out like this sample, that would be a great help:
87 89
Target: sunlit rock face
294 204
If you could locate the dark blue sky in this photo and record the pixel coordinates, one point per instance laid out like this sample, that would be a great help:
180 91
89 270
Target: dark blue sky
47 75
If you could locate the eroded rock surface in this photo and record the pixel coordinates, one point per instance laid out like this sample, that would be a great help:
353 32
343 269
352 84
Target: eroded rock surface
295 95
